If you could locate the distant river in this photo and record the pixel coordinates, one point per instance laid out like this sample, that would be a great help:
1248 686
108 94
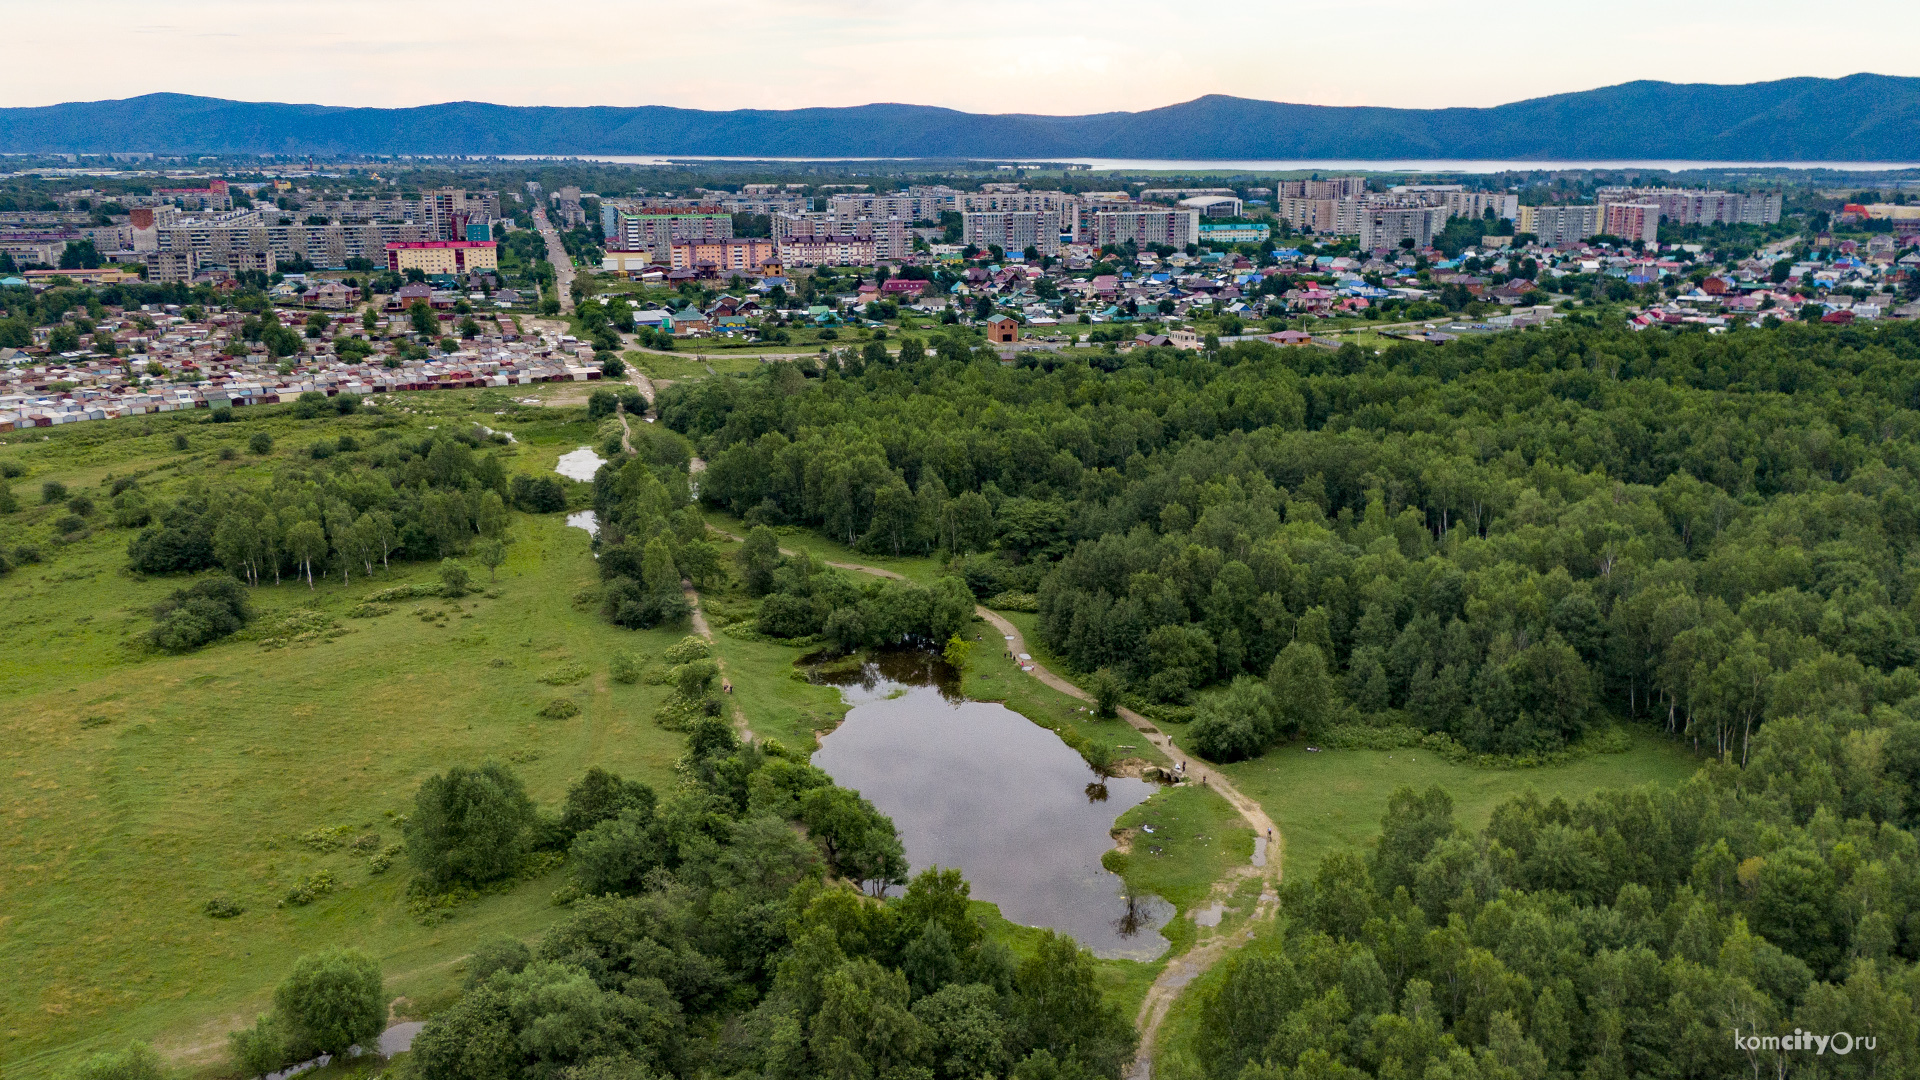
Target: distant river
1408 165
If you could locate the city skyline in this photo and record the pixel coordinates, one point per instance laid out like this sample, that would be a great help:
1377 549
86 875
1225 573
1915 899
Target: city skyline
1064 59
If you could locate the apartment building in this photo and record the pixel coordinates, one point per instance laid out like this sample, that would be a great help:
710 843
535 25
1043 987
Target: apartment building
242 238
892 236
1475 204
1327 216
826 251
1144 227
442 258
1062 205
1342 187
1561 224
1234 234
1692 206
1013 230
214 196
567 207
1387 226
915 204
1089 203
1632 221
738 254
449 211
768 205
653 229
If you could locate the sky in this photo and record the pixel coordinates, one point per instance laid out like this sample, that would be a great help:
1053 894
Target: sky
1038 56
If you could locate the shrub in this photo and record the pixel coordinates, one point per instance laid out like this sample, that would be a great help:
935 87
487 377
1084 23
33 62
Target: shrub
228 453
223 414
469 826
67 524
380 863
321 450
311 888
1105 687
566 673
260 443
454 577
12 470
332 1000
560 709
538 494
222 908
1235 725
180 441
204 612
1014 601
8 501
136 1062
53 491
688 649
130 509
260 1049
694 680
626 668
81 505
26 554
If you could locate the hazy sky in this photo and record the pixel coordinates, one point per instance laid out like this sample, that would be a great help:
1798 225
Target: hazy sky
1045 56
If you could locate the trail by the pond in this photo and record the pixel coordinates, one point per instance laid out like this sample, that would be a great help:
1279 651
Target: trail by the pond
1269 844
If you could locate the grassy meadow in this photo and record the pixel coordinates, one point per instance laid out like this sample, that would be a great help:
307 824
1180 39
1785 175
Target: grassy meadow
143 784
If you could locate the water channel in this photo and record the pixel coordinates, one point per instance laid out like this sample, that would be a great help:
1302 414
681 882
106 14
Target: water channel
975 785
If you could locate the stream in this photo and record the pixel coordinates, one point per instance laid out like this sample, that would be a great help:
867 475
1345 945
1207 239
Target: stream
975 785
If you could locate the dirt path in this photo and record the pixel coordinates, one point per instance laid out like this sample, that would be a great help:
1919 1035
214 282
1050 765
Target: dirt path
1268 850
699 620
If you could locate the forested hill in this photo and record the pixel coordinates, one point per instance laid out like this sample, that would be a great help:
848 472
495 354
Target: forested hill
1857 118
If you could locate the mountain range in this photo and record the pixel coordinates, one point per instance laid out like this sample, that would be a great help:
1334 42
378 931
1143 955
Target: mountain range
1859 118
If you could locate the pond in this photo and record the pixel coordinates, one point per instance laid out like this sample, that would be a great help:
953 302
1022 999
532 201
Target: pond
580 465
585 519
975 785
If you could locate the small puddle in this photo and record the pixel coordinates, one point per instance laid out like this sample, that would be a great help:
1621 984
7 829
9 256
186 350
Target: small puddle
1209 915
584 519
975 785
397 1039
580 465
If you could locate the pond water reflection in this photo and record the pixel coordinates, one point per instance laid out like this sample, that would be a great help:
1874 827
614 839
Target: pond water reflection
579 464
976 785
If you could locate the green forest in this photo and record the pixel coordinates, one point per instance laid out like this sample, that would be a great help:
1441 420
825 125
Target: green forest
1512 547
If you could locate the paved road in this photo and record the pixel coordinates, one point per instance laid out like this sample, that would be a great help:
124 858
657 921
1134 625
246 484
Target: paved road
557 255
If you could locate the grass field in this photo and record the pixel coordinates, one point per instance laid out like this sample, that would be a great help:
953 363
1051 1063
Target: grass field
1334 799
141 784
